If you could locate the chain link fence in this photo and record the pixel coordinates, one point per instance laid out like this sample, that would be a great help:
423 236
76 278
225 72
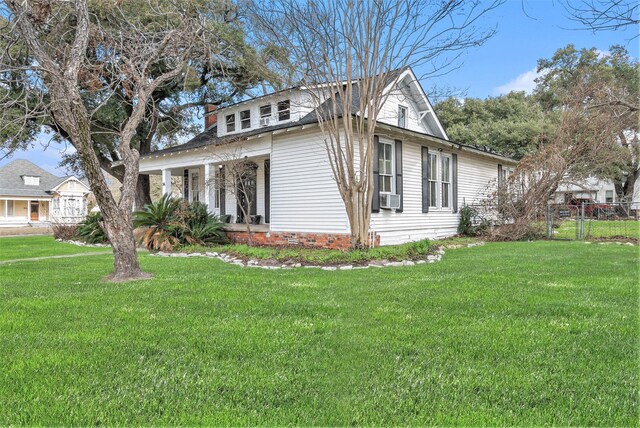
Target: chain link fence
592 220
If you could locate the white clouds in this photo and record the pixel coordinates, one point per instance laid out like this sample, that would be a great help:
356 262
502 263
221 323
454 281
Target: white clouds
524 82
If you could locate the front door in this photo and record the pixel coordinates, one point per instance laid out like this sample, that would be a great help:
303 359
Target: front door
35 210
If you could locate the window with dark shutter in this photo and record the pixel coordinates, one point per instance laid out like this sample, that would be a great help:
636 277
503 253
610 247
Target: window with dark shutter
399 174
267 191
425 180
454 182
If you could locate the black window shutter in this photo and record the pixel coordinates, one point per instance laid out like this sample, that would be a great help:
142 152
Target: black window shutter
425 180
267 190
454 181
499 175
375 202
399 174
223 208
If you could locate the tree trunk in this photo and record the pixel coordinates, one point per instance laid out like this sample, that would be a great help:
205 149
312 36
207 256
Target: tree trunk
126 266
143 191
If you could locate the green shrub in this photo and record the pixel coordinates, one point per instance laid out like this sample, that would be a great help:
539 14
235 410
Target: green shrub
161 222
203 231
90 229
171 222
468 226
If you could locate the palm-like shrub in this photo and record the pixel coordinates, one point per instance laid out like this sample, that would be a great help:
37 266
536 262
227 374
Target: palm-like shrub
161 222
90 229
170 222
204 232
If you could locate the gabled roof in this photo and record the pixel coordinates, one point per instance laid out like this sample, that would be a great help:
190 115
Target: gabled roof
12 183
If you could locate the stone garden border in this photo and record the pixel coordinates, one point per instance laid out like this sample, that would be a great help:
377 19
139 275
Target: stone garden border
271 264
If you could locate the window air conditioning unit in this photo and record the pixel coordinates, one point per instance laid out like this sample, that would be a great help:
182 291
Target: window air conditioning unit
265 121
389 201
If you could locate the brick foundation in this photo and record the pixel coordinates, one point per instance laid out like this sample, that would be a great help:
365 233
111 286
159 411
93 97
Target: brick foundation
335 241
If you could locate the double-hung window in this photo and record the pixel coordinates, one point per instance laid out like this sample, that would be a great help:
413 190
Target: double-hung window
284 110
385 167
608 196
231 122
445 177
195 187
433 180
216 189
245 119
440 180
402 117
265 112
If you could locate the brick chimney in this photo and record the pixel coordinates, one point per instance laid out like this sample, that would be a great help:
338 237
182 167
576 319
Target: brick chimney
210 116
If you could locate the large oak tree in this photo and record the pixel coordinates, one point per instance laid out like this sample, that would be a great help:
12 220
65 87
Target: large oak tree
67 64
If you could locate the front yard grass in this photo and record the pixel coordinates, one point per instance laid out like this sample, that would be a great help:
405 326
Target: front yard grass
25 247
599 229
541 333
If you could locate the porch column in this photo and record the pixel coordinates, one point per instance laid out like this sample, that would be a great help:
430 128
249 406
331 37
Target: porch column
166 182
207 185
6 209
28 211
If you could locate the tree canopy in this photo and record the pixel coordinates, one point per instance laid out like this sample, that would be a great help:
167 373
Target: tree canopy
513 124
602 85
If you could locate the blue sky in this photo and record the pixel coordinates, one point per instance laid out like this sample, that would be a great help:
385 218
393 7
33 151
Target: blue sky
527 31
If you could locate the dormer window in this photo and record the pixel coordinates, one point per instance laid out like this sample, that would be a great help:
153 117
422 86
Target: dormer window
31 180
284 110
245 119
265 112
231 122
402 117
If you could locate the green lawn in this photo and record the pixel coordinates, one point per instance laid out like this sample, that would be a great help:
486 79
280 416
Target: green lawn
600 229
39 246
542 333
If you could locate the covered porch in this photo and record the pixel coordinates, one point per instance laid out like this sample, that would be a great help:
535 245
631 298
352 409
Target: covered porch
225 187
23 211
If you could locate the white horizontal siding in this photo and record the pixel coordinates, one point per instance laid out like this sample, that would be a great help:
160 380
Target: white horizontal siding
300 105
304 195
474 175
389 111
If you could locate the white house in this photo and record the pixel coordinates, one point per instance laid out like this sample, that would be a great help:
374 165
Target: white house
31 196
601 191
296 198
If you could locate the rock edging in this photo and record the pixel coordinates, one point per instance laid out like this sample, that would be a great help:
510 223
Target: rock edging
267 264
84 244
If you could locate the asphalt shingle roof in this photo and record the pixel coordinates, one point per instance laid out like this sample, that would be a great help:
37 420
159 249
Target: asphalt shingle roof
210 138
12 183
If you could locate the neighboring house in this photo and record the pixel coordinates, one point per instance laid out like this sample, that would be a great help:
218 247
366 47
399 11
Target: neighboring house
601 191
31 196
296 198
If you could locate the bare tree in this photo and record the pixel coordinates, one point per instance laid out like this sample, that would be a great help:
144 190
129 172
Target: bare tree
53 50
237 176
604 15
583 145
348 54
